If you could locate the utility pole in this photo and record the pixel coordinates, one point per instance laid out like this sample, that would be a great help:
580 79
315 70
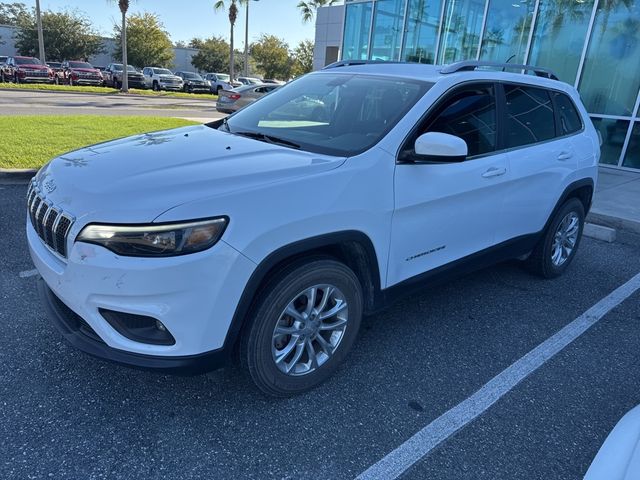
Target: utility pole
246 41
125 66
40 33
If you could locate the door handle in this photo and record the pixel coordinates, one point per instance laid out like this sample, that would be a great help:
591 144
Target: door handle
565 155
494 172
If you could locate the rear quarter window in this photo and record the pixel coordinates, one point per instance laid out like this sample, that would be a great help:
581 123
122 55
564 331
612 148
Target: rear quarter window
570 121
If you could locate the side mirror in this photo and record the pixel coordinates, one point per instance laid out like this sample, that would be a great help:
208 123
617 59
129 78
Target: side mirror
440 147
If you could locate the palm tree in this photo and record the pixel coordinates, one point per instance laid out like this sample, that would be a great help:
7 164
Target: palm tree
309 8
233 16
124 8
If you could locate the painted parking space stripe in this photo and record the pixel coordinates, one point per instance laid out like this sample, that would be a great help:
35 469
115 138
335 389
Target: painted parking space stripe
419 445
28 273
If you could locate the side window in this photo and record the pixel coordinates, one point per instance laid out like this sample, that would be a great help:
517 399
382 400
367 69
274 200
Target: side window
569 117
468 113
530 116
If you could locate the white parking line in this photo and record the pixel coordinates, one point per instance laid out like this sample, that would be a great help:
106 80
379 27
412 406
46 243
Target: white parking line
28 273
399 460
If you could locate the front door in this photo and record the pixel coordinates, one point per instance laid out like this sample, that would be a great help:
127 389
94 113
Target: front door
445 212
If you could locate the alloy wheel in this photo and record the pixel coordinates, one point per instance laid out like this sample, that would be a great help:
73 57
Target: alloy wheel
565 239
309 330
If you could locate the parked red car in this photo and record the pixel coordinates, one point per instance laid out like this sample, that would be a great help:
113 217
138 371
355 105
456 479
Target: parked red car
25 70
76 72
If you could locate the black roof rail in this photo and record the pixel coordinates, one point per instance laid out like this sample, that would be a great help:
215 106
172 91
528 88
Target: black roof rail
350 63
470 65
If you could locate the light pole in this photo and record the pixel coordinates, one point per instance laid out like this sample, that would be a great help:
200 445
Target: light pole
40 33
246 41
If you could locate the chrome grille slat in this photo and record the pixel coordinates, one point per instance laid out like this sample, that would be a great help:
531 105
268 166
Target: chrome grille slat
50 223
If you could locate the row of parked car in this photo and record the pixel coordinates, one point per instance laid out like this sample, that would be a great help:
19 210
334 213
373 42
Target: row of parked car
22 69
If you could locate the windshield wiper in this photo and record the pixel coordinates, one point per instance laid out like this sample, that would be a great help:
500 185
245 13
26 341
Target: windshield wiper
263 137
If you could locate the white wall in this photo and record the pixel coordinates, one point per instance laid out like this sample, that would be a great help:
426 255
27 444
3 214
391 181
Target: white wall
329 25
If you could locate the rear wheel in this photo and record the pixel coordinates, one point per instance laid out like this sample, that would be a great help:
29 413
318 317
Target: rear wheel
303 327
156 87
555 251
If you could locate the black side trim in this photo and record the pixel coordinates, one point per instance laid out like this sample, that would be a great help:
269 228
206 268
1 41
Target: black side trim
68 325
498 253
290 252
568 192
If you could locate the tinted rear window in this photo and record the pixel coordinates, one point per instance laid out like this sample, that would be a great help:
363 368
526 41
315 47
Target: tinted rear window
530 117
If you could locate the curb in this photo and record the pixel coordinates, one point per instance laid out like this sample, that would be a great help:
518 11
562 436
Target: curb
623 224
17 175
599 232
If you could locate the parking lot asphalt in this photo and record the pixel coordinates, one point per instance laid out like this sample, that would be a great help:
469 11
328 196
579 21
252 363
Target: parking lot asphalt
14 102
66 415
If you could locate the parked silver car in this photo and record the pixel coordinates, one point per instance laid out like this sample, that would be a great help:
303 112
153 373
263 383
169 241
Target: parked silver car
161 79
231 100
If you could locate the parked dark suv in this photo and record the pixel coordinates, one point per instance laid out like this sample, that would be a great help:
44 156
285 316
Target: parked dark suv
194 83
113 76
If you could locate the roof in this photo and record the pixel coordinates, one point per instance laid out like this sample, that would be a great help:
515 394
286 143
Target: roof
456 71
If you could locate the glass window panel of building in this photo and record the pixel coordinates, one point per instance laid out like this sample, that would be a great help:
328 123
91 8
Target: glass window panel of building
559 36
356 31
506 33
461 30
632 157
421 35
611 74
613 133
388 25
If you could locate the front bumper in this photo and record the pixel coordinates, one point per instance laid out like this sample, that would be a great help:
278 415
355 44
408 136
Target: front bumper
195 296
170 86
79 334
89 81
29 79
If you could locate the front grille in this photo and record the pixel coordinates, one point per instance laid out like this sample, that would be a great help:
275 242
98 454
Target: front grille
50 223
37 73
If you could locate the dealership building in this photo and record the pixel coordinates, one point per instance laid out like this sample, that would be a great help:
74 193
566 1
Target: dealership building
591 44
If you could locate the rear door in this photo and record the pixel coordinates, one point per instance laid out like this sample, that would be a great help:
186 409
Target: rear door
540 159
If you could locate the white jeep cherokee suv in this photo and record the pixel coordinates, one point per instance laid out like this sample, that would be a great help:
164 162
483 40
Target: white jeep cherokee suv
271 233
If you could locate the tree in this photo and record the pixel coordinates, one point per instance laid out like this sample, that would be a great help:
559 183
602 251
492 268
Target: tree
233 16
309 8
67 35
12 13
147 41
302 58
123 5
213 55
272 57
180 44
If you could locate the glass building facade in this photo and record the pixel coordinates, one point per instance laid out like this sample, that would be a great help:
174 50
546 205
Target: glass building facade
592 44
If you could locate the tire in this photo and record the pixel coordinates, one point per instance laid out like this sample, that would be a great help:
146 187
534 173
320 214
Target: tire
291 287
218 90
70 82
156 87
56 80
115 84
544 260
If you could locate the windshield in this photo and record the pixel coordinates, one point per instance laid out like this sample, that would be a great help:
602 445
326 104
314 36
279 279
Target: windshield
223 77
80 65
27 61
162 71
118 67
192 76
51 64
331 113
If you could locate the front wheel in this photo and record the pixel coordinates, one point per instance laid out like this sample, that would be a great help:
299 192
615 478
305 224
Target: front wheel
303 326
557 248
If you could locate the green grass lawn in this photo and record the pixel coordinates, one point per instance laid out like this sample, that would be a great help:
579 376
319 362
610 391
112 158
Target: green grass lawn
103 90
29 141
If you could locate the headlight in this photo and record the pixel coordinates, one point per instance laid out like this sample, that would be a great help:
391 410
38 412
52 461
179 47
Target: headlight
162 240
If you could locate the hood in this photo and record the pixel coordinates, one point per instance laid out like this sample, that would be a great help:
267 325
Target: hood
135 179
32 66
170 77
85 70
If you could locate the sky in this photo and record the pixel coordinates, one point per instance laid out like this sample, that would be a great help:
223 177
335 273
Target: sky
185 19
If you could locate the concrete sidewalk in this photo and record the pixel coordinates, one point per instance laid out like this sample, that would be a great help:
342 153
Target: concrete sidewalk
617 200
